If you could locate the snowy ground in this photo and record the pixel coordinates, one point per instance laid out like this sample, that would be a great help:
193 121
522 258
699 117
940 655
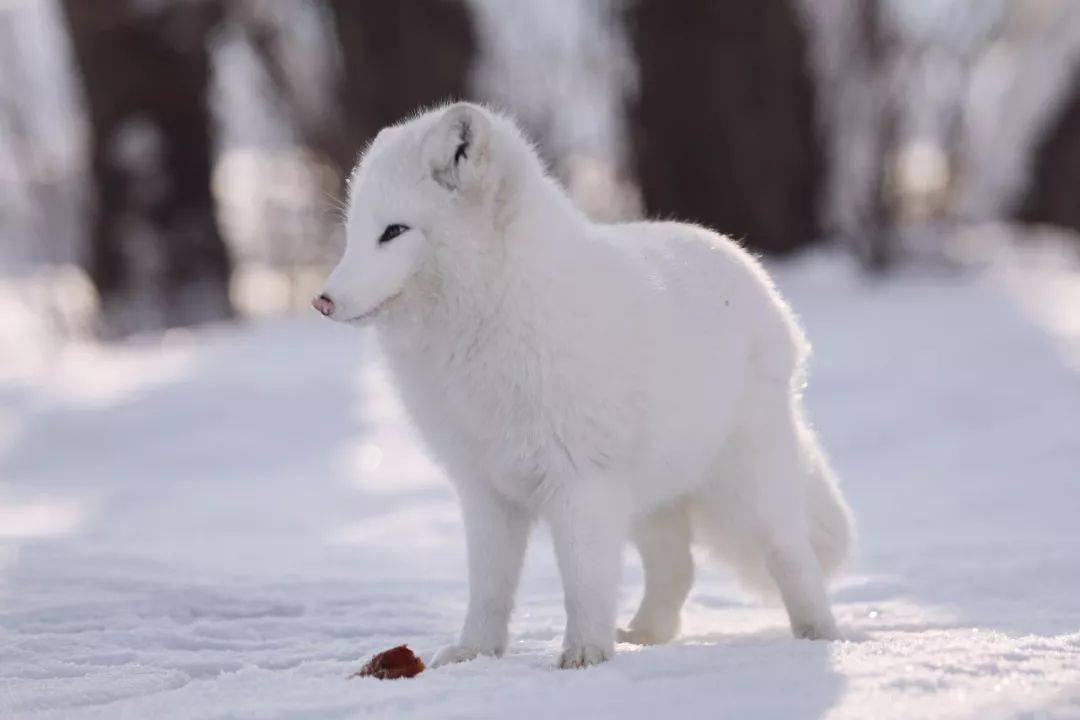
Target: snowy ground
227 523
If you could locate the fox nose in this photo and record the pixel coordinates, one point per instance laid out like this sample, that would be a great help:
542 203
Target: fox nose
323 304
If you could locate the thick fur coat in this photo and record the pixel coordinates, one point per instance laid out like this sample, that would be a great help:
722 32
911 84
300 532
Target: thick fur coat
634 381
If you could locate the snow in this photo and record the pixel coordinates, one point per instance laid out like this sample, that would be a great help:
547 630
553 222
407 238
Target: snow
226 523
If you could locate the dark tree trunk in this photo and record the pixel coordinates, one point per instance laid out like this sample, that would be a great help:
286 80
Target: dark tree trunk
1054 194
397 57
874 242
724 126
156 255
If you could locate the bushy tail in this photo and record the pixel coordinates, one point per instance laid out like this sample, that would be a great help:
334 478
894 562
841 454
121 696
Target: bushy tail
832 527
735 537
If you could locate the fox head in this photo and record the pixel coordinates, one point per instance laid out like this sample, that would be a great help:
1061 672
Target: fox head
423 184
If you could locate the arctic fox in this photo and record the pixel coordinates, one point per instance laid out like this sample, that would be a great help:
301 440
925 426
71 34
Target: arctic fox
636 381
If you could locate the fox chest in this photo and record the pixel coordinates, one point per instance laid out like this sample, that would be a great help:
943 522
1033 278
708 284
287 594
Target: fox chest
521 428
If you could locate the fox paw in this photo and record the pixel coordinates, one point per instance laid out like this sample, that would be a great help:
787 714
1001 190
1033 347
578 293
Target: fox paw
816 631
455 654
579 656
639 636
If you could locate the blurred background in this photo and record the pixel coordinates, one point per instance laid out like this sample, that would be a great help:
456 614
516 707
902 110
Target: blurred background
168 163
211 502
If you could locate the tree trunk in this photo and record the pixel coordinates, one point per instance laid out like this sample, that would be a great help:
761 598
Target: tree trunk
156 255
724 126
1054 193
874 236
397 57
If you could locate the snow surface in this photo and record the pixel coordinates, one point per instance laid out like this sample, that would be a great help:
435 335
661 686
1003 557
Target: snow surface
227 523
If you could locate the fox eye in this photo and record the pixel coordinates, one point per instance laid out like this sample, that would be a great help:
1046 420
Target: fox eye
391 232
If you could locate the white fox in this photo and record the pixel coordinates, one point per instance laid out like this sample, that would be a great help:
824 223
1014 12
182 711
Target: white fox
631 381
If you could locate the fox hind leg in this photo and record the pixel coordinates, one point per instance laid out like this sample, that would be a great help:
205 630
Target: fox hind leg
663 541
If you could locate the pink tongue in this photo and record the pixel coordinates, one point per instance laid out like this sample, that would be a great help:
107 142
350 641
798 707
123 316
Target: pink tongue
323 304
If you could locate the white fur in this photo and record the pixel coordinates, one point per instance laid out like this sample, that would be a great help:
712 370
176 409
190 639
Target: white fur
634 381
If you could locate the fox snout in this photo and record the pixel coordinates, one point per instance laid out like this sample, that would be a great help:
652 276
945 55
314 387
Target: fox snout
323 304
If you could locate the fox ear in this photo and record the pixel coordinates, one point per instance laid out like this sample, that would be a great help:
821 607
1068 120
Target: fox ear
457 149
